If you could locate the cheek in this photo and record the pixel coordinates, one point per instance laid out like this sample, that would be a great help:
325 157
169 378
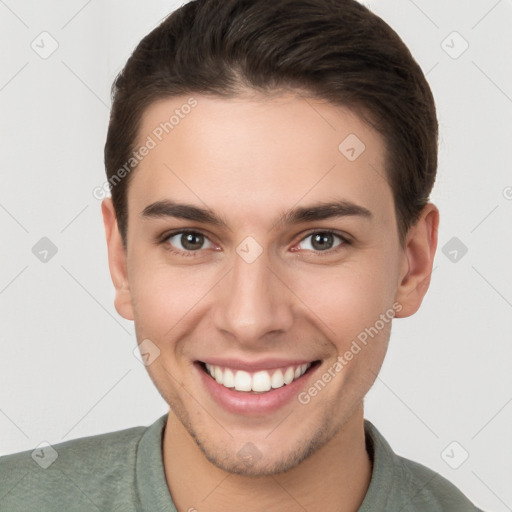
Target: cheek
165 298
349 299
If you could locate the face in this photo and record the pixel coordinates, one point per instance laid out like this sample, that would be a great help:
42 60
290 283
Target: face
262 246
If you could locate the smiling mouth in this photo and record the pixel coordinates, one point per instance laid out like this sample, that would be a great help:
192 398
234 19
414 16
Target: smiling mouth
261 381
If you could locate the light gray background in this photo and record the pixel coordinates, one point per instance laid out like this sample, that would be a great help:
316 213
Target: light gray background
67 364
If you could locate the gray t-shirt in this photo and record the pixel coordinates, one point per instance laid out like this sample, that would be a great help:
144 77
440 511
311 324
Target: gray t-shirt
123 471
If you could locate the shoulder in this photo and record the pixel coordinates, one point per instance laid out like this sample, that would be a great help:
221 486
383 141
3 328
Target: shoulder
81 474
428 488
398 483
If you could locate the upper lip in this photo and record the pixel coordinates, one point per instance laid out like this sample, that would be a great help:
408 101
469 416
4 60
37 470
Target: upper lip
261 364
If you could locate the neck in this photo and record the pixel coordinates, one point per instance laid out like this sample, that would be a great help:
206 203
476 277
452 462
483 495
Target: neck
333 479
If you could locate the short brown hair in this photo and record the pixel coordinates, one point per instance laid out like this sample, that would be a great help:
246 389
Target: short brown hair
337 50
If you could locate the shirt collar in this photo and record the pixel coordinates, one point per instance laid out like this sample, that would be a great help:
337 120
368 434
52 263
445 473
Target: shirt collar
384 465
151 484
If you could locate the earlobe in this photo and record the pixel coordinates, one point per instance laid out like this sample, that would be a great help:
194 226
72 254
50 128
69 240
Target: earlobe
117 260
419 252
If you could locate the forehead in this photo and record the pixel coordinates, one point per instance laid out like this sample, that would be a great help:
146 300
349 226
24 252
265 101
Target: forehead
252 156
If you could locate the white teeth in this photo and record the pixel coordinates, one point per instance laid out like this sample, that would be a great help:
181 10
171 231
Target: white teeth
229 379
289 375
277 379
260 381
242 381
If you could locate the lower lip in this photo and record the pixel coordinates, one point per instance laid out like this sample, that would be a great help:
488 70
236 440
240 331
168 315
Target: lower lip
240 402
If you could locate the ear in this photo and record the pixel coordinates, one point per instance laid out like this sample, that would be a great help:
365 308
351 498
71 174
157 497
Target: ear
117 260
419 252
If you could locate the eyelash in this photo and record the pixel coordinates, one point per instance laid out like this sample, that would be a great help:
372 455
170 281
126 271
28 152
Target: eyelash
165 239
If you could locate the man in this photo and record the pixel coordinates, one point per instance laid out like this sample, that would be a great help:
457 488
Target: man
270 164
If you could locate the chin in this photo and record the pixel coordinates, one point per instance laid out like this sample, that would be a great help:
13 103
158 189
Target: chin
261 458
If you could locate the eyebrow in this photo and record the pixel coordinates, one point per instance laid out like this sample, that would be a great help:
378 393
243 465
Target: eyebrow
311 213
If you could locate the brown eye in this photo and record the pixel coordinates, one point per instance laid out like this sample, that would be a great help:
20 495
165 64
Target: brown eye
188 241
322 241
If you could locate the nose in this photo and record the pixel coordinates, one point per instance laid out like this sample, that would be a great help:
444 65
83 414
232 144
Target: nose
253 304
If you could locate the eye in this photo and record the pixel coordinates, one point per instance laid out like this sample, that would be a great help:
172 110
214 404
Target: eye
184 242
322 241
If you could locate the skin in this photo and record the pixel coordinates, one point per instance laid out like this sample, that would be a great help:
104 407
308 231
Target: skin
248 159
